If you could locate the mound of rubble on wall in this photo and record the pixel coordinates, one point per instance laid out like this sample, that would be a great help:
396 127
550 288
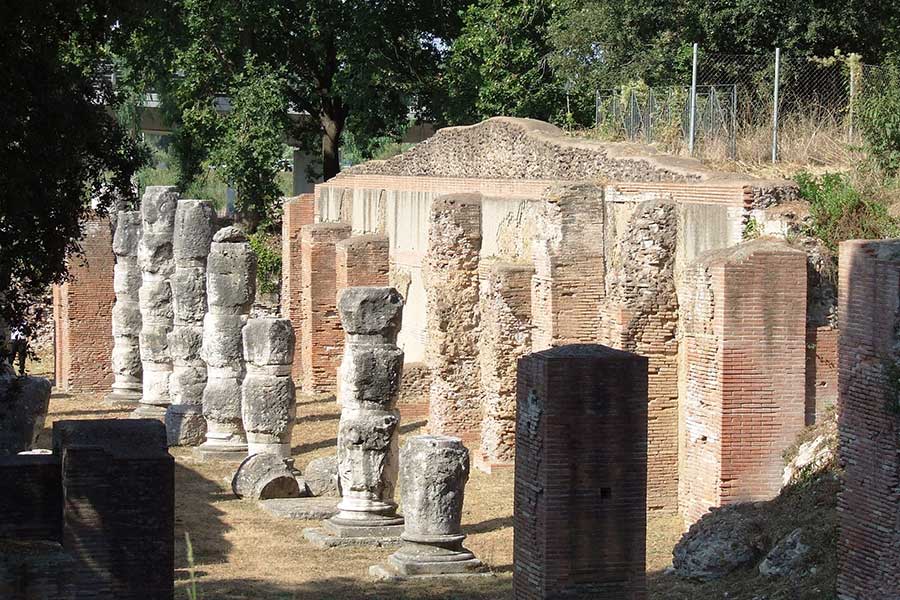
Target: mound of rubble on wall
510 148
783 548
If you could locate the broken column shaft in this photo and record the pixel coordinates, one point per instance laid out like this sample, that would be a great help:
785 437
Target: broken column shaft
126 314
185 425
230 289
155 256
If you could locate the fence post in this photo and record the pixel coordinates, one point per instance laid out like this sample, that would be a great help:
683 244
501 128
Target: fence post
693 102
596 109
734 122
855 75
775 107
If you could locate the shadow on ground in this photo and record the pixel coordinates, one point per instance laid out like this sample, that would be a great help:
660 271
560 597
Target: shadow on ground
345 588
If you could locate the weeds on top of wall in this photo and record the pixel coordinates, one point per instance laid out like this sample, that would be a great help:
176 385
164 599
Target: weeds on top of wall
844 207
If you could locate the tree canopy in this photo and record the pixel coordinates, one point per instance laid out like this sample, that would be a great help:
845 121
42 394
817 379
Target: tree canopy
357 65
60 145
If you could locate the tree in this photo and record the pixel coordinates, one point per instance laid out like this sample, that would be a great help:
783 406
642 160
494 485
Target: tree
353 64
498 64
603 43
60 146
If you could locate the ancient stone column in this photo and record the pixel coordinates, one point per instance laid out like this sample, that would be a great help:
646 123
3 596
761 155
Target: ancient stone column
230 289
367 435
126 314
269 399
434 470
156 259
185 425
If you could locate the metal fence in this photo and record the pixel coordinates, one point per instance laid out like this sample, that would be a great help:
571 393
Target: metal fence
744 107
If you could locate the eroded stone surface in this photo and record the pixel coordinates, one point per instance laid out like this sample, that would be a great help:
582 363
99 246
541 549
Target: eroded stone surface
268 395
156 260
367 433
450 272
321 476
230 289
434 471
185 425
23 406
265 476
722 541
126 313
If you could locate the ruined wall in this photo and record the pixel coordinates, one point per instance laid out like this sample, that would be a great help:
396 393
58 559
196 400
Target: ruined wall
320 326
82 314
744 331
298 211
640 314
869 420
567 286
451 283
581 472
505 337
362 260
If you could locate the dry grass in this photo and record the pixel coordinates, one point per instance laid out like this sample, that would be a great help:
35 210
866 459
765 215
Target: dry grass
241 552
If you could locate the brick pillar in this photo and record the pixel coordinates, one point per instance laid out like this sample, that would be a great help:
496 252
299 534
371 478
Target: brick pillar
320 327
744 335
298 211
82 314
505 337
568 267
581 474
362 260
869 419
640 314
450 273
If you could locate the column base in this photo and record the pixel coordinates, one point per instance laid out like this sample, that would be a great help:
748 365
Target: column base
303 509
219 451
122 398
185 425
377 531
149 411
280 450
471 568
430 556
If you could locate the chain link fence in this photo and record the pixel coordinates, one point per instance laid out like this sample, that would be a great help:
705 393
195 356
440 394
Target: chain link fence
752 108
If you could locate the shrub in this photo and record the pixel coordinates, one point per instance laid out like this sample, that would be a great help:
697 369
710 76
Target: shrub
268 257
840 211
879 117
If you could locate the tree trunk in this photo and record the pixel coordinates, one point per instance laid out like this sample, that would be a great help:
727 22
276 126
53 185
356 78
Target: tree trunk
331 143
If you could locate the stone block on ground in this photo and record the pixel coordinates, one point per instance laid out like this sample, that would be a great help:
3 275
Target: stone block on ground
321 476
265 476
23 407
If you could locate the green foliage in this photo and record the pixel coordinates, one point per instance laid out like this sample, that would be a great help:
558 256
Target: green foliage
751 229
192 592
250 147
879 117
839 211
602 43
498 66
268 262
60 145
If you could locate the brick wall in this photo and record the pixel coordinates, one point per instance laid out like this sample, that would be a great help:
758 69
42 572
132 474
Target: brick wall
580 475
505 337
640 314
869 420
821 371
450 272
298 211
568 267
744 330
321 336
31 498
82 314
362 260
